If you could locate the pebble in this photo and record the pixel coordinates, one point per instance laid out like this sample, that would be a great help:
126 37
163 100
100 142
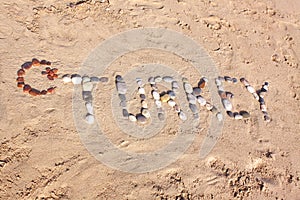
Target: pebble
227 104
141 90
90 119
139 82
143 96
87 96
125 112
171 103
230 114
220 88
122 97
85 79
121 87
172 94
219 116
76 79
132 118
177 108
237 116
267 118
182 116
262 94
188 88
229 95
196 116
158 103
144 104
151 80
175 85
256 96
94 79
209 106
196 91
158 79
146 113
87 86
103 79
155 95
250 89
201 100
168 79
192 99
119 78
244 81
261 100
245 114
234 80
141 119
221 78
218 82
161 116
89 108
123 104
214 110
165 98
193 108
202 83
263 107
66 78
227 78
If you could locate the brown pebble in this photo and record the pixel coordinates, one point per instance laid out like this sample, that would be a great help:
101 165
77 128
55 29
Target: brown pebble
47 69
34 92
20 79
51 90
44 92
27 65
35 62
55 76
51 72
55 70
43 62
21 72
20 84
26 88
50 77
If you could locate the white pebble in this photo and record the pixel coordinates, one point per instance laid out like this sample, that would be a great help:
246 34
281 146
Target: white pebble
227 104
85 79
144 104
141 90
219 116
250 89
66 79
201 100
188 88
90 118
218 82
76 80
87 86
171 103
146 113
89 108
158 103
182 116
209 106
155 95
238 116
132 118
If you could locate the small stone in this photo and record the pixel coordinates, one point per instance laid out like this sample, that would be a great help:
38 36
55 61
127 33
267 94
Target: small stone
94 79
158 103
230 113
144 104
234 80
245 114
196 91
139 82
171 103
122 97
263 107
89 108
132 118
220 88
90 119
175 85
123 104
201 100
250 89
196 116
237 116
267 118
121 87
227 78
185 80
87 86
141 119
209 106
85 79
219 116
141 90
227 104
188 88
161 116
146 113
244 81
76 79
119 78
214 110
165 98
66 78
202 83
104 79
87 96
193 108
192 99
221 78
143 96
229 95
218 82
155 95
158 79
182 116
168 79
151 80
177 109
172 94
262 94
125 113
255 95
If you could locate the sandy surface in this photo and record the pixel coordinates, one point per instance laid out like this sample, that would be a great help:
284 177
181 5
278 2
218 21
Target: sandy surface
42 156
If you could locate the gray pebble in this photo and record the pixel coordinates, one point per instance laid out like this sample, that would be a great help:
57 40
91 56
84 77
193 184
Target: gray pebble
103 79
121 87
196 116
221 78
161 116
229 95
87 96
168 79
192 99
76 80
122 97
188 88
234 80
172 94
227 78
95 79
123 104
158 79
196 91
119 78
139 82
141 119
230 113
193 108
151 80
125 113
214 110
267 118
143 96
245 114
175 85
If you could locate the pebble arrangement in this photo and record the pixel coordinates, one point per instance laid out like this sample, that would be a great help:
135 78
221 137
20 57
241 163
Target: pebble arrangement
226 96
51 74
